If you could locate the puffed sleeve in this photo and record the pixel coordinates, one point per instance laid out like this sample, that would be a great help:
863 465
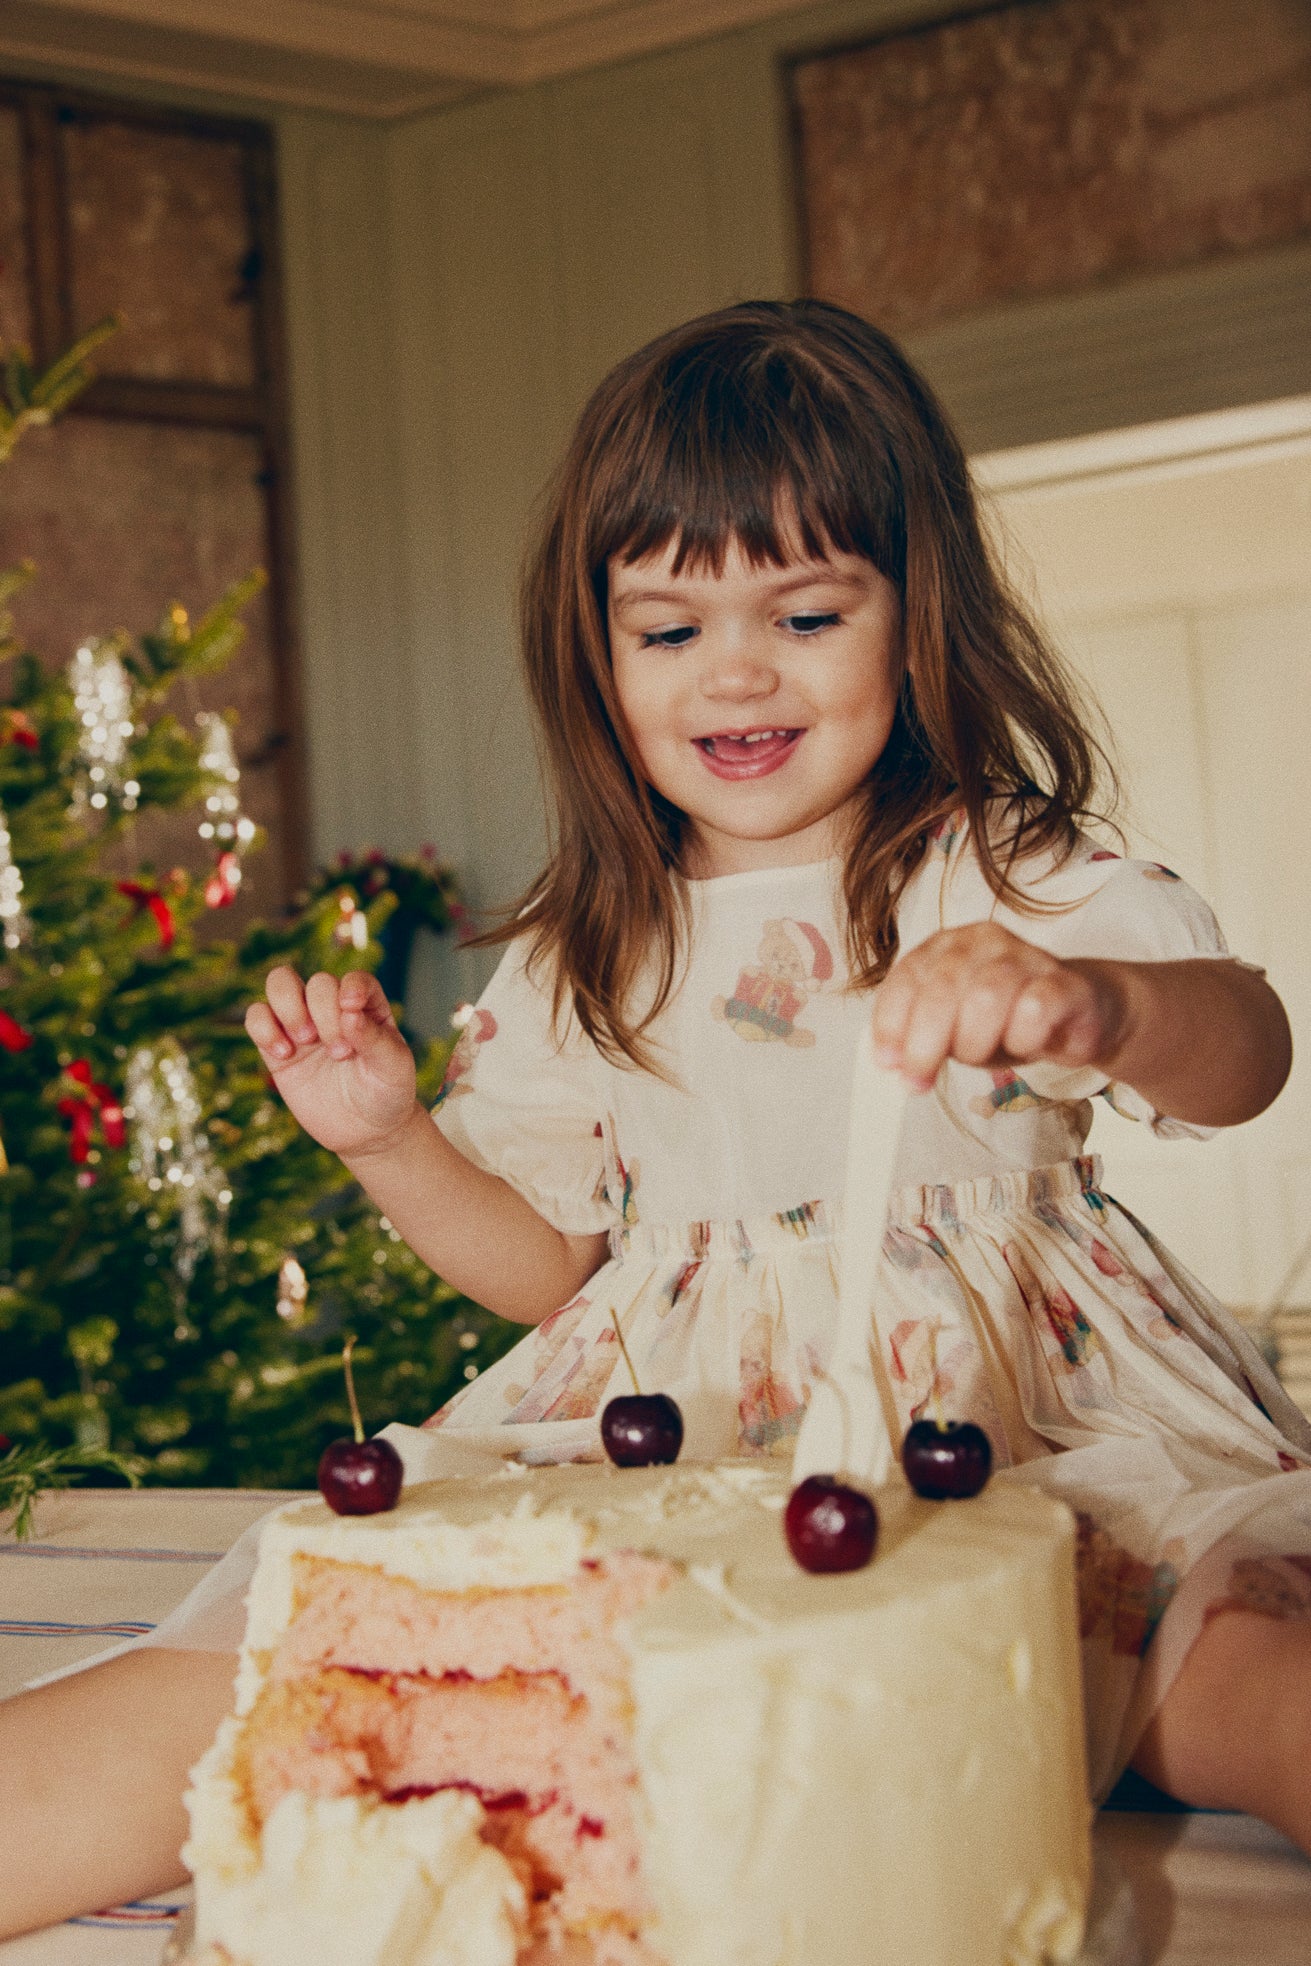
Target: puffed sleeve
1099 904
525 1103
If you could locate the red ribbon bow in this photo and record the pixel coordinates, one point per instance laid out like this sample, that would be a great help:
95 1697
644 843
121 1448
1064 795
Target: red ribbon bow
142 896
221 887
18 728
85 1102
12 1035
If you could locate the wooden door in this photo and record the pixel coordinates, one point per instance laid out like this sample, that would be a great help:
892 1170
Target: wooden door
1173 566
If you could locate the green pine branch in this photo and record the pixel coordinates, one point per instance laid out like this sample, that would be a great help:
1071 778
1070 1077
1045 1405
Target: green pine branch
32 398
27 1472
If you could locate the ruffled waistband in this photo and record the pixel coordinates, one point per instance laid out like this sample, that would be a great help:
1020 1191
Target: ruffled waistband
942 1206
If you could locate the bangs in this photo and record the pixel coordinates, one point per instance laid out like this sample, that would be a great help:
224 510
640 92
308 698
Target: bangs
752 443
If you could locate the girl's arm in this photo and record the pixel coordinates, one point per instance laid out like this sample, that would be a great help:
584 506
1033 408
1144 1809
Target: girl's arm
1203 1040
475 1230
335 1055
95 1768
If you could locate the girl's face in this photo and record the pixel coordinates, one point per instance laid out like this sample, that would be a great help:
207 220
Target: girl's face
759 699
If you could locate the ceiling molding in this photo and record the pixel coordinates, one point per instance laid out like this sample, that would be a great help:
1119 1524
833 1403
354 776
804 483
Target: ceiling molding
377 58
1250 430
585 37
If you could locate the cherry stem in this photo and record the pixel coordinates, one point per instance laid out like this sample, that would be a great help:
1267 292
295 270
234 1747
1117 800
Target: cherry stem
614 1319
935 1393
356 1421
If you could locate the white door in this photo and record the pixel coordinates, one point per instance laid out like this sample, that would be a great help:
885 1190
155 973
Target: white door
1172 565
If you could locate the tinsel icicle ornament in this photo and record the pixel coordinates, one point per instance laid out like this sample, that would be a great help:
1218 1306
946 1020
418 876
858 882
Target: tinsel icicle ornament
102 701
170 1151
351 928
224 821
14 923
293 1292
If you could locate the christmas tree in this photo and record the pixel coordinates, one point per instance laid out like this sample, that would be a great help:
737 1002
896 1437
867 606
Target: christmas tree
178 1261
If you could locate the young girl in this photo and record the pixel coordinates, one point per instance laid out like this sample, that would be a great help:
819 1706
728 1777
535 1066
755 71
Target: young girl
811 765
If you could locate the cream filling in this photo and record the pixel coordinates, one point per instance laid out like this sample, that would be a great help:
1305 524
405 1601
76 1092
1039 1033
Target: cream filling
351 1881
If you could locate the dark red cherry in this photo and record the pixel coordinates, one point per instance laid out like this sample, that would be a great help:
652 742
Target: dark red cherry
5 1443
947 1462
641 1430
830 1526
360 1477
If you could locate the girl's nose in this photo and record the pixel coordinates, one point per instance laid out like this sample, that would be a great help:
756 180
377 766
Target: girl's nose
738 672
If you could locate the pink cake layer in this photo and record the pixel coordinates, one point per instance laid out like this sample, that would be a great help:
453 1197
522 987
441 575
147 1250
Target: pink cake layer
380 1687
348 1615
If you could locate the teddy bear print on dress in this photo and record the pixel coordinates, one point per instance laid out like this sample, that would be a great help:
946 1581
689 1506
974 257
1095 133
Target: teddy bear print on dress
794 963
1010 1094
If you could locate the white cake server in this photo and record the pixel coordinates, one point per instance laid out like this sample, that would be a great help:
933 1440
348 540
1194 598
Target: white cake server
849 1425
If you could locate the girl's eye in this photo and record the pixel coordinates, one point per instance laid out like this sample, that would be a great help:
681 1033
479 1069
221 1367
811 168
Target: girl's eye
666 638
810 624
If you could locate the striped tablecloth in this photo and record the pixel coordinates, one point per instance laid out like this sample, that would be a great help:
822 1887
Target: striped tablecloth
104 1566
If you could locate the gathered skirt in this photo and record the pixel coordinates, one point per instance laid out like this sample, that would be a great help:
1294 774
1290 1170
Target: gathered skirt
1030 1303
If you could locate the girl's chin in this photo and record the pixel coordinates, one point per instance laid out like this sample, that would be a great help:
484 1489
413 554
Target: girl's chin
712 850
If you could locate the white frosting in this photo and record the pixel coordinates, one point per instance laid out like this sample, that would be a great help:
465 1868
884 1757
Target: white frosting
832 1770
347 1881
900 1779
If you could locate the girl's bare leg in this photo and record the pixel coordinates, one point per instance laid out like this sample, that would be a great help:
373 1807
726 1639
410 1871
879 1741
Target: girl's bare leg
94 1769
1234 1731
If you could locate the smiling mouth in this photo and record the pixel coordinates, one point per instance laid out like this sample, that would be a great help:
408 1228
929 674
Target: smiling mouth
747 753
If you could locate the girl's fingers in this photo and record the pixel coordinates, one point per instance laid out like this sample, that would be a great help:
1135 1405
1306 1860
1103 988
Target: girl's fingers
930 1029
286 996
345 1017
1038 1010
892 1008
363 997
914 1016
986 1012
323 1000
371 1031
267 1034
1059 1018
985 997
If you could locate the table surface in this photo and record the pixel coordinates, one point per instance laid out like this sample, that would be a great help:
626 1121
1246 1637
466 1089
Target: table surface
105 1565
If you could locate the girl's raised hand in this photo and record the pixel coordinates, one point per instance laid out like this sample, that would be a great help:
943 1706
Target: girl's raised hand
985 997
336 1057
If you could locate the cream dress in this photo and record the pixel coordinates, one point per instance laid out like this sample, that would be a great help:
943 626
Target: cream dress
1013 1288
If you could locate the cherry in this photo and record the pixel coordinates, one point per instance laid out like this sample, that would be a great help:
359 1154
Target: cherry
359 1476
5 1443
830 1526
641 1430
946 1460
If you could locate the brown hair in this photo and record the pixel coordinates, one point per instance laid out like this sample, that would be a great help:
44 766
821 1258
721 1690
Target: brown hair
768 423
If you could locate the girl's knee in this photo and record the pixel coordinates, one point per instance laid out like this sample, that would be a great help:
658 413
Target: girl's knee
1234 1730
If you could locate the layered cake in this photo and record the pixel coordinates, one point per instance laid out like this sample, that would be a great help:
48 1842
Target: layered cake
599 1716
